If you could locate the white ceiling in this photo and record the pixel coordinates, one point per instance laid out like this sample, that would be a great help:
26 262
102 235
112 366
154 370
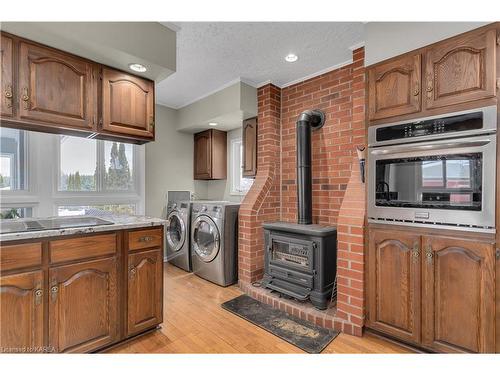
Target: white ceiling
212 55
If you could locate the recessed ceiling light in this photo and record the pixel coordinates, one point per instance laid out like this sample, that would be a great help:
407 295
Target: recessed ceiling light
291 57
137 67
213 124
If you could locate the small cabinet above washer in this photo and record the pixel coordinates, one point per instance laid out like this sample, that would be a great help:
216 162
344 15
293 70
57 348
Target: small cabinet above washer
210 155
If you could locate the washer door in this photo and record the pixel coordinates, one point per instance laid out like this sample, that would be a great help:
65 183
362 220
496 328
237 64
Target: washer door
176 231
205 238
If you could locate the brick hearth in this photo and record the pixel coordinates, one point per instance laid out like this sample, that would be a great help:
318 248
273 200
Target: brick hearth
338 195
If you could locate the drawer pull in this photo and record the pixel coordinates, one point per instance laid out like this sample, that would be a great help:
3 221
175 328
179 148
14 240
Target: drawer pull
146 239
8 96
429 255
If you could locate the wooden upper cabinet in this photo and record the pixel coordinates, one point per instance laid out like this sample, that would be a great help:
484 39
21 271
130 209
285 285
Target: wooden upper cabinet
55 88
145 289
21 311
394 87
394 284
6 76
210 155
458 295
461 70
250 147
127 104
83 302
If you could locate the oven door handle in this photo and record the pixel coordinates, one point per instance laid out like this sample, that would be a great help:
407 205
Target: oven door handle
427 147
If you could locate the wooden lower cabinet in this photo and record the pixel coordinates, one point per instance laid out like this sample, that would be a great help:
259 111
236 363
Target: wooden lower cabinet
394 284
434 291
458 295
21 312
145 291
83 306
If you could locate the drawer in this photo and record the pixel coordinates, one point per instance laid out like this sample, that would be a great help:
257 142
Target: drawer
66 250
20 256
144 239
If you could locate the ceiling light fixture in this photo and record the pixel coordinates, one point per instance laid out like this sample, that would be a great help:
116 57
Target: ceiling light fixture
291 57
213 124
137 67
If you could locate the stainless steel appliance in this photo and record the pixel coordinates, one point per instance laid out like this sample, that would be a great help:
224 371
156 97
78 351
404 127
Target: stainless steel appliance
435 171
214 241
177 234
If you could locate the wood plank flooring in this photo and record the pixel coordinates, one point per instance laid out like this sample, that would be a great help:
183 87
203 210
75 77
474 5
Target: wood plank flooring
194 322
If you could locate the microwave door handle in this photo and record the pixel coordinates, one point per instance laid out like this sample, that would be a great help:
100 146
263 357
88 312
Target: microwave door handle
435 146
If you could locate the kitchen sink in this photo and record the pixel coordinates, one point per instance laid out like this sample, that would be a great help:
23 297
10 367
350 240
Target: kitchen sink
13 226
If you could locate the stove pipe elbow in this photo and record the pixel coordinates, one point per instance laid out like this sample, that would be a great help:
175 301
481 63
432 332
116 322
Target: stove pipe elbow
308 120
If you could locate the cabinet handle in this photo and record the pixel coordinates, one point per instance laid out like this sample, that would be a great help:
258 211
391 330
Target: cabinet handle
430 86
429 254
8 96
151 122
133 271
415 253
146 239
416 91
38 296
25 98
53 292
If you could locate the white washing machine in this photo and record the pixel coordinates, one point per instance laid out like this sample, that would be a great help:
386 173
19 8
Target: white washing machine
178 234
214 241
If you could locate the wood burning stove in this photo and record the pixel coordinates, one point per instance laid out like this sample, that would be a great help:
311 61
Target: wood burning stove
301 259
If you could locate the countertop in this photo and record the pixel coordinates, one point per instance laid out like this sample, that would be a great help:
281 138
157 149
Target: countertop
119 222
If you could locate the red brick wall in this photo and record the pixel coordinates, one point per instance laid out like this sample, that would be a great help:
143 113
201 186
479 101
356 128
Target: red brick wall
340 94
336 186
262 203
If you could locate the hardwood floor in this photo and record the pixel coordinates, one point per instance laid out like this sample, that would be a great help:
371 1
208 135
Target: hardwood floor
194 322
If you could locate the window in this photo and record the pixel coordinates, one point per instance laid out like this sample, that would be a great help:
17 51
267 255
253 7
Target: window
78 164
45 175
12 159
96 209
239 184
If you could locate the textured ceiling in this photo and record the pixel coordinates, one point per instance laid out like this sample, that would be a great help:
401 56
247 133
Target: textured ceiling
211 55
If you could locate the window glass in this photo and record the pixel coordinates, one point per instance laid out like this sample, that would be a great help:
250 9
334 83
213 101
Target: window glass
78 164
103 209
12 159
118 163
15 212
239 184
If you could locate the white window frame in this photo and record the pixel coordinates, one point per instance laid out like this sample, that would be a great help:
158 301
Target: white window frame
236 168
42 181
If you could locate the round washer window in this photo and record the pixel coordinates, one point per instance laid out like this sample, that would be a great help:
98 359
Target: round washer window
205 238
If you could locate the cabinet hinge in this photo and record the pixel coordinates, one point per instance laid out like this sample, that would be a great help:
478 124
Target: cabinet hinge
100 121
498 254
498 38
498 83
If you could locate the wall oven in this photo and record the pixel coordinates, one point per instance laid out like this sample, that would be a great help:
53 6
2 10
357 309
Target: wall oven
435 171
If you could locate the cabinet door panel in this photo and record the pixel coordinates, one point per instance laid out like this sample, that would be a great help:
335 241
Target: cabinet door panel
394 284
461 70
145 288
127 104
394 88
458 295
250 147
21 312
6 77
83 305
55 88
203 155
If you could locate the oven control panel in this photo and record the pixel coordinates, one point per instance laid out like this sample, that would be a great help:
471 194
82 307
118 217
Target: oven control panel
452 124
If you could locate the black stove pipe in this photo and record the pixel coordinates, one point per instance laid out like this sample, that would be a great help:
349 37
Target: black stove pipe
307 121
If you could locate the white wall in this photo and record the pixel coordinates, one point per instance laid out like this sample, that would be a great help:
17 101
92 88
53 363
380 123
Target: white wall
221 189
384 40
169 163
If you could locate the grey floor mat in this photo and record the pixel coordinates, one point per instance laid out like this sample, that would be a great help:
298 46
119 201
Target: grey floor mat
301 333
